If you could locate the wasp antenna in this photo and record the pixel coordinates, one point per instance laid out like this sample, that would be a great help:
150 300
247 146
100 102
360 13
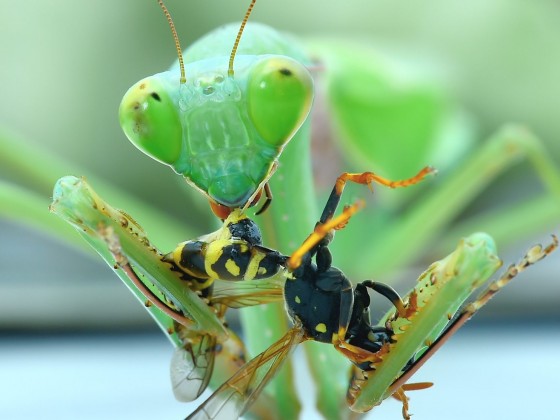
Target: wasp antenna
183 78
236 44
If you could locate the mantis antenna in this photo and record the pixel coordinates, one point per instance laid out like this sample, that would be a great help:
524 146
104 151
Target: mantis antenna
236 44
183 78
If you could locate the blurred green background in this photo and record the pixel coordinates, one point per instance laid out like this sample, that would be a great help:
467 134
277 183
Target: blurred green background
65 66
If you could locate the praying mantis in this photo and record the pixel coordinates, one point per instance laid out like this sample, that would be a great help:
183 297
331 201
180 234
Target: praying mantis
448 195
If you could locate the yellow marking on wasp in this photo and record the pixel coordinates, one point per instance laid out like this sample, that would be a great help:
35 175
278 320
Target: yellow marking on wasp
199 287
253 266
261 271
321 327
232 268
177 253
298 300
177 256
213 254
234 217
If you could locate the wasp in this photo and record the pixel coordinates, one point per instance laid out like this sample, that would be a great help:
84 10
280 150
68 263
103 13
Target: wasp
325 307
322 303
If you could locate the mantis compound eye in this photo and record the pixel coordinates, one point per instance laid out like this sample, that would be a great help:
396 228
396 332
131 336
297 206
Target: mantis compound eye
150 120
279 96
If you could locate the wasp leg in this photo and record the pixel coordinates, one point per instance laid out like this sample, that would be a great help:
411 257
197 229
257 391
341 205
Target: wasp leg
417 386
356 354
121 261
365 349
327 223
534 255
359 378
321 231
401 396
388 292
366 178
346 304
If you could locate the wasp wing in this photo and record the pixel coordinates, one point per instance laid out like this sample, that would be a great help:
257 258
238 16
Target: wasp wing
235 396
192 366
230 357
238 294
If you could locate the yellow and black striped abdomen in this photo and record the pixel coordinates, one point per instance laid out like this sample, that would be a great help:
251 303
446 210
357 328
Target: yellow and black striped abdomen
237 260
225 259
